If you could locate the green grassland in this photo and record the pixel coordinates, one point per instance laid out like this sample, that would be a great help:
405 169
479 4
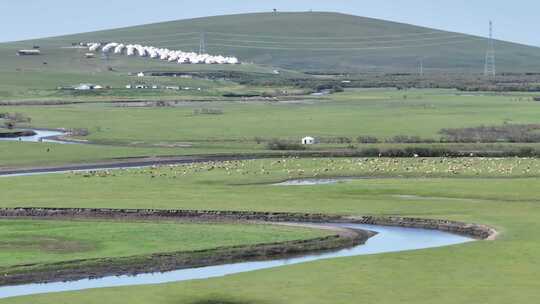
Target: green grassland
380 113
29 79
494 191
304 41
293 43
230 185
247 126
41 242
21 154
498 192
42 87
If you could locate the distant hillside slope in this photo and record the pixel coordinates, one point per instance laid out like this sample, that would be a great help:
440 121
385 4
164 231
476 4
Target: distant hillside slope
315 41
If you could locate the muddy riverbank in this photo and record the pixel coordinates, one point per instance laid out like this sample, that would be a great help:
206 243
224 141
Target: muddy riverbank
164 262
477 231
17 134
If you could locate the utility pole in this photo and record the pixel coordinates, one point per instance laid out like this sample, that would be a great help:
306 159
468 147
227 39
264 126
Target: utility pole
421 67
202 44
490 68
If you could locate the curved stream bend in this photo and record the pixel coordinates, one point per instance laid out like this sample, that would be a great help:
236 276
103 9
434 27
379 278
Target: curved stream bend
395 234
48 136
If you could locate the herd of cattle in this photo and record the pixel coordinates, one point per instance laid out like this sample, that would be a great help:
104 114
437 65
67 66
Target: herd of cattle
161 53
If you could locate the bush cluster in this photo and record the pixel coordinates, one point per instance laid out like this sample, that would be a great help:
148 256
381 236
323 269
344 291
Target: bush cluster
12 119
430 152
284 145
514 133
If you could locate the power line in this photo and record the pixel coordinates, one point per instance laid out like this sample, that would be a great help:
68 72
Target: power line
301 44
233 46
337 43
131 36
323 37
489 67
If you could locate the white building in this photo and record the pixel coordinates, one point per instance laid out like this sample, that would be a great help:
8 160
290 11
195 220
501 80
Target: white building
84 87
88 87
28 52
308 140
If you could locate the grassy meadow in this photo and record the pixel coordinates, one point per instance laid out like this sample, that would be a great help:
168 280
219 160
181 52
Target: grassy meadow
383 113
40 242
498 192
248 125
121 130
284 55
313 41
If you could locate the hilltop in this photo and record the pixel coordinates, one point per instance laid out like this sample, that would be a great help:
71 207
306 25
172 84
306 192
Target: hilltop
295 43
314 41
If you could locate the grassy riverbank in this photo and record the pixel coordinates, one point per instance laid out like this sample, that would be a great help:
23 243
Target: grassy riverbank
25 154
41 242
497 192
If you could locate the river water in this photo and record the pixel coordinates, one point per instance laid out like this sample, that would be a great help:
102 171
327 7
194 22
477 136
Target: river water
316 181
41 136
388 239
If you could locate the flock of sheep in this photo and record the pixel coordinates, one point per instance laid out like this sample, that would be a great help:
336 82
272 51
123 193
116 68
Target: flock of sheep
294 168
161 53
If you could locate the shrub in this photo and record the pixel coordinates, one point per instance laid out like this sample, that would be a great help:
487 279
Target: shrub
367 140
283 145
516 133
9 124
370 152
16 117
80 132
335 140
405 139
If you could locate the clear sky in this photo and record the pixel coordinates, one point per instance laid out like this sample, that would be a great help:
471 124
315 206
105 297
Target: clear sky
515 20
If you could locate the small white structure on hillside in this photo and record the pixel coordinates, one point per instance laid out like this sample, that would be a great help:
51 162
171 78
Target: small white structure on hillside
308 140
84 87
88 87
32 52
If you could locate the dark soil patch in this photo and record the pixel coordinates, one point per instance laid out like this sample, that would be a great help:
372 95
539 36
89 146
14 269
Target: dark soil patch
46 244
15 134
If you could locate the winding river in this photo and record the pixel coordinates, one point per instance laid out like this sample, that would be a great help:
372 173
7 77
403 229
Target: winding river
389 239
41 136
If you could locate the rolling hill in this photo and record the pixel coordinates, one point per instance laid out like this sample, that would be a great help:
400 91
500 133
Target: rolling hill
308 41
